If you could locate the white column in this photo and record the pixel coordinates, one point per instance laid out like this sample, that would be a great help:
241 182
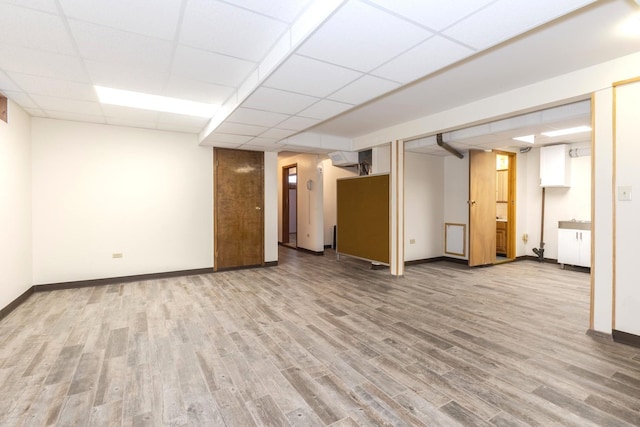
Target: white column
602 218
397 209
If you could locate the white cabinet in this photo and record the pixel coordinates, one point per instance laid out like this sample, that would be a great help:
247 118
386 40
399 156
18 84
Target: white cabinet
574 246
555 167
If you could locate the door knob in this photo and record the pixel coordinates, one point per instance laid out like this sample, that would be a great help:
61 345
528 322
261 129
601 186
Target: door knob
258 208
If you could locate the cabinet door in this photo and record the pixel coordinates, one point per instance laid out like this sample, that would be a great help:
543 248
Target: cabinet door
501 241
568 246
584 251
554 166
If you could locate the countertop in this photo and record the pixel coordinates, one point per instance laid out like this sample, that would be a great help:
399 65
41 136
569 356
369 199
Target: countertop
575 225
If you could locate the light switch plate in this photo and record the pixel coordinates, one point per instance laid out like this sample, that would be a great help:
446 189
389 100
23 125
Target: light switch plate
624 193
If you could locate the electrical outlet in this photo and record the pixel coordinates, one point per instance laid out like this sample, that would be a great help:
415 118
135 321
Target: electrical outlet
117 255
525 237
412 241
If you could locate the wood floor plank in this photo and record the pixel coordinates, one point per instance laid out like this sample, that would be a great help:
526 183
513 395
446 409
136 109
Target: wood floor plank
311 393
578 407
316 341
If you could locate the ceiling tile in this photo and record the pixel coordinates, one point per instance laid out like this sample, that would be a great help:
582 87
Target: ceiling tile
6 83
63 105
435 14
240 129
43 5
34 29
35 112
119 112
220 27
130 122
278 100
260 141
211 67
377 37
298 123
109 45
39 63
429 56
325 109
218 137
179 87
283 10
513 18
54 87
277 133
180 119
121 76
365 88
21 98
294 75
263 144
160 16
256 117
76 116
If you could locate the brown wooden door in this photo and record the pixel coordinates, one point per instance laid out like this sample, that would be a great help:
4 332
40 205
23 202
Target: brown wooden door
482 207
238 208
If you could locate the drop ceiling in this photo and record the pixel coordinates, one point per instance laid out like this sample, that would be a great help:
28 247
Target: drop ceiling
278 68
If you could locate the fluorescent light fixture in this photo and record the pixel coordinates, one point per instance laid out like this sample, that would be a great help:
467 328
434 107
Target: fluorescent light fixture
145 101
568 131
527 138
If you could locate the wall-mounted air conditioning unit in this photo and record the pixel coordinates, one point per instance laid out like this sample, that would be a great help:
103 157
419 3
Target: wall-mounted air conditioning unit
344 158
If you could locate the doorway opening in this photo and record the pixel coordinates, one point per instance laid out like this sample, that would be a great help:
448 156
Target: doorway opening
492 207
290 205
505 206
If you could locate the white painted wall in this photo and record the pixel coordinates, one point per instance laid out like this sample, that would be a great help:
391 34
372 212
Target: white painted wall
381 159
330 176
627 212
310 210
99 190
15 205
424 206
271 207
602 229
456 194
561 204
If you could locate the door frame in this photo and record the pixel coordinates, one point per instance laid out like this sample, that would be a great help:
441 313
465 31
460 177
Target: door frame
216 216
482 212
285 201
511 207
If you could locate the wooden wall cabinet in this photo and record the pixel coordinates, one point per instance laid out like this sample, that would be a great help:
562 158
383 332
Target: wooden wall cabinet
555 166
501 237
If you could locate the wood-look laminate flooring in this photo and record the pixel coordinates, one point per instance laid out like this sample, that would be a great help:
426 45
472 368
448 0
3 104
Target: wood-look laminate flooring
317 341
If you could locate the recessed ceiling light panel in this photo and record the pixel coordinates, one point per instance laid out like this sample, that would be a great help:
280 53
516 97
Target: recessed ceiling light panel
145 101
527 138
568 131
